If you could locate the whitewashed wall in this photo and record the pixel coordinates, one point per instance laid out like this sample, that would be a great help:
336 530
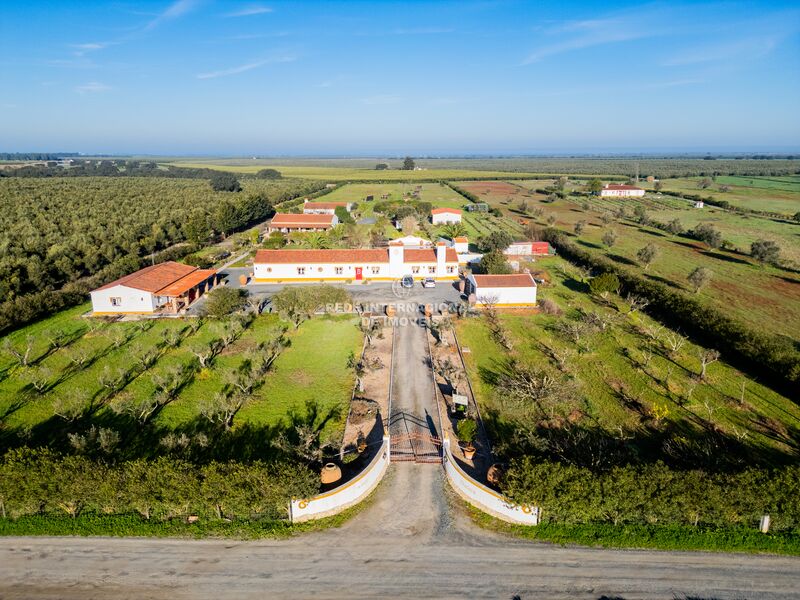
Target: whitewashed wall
315 272
441 218
344 496
484 498
133 300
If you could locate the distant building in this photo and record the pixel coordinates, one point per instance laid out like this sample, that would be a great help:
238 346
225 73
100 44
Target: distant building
286 222
440 216
511 291
411 241
477 207
526 248
618 189
699 204
167 288
324 208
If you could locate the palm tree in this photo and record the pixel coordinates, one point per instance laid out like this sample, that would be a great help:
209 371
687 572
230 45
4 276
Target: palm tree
454 230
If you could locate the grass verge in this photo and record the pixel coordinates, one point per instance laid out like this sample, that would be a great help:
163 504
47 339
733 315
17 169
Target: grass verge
652 537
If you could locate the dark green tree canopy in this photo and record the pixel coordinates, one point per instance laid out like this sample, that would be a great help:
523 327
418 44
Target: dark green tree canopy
225 182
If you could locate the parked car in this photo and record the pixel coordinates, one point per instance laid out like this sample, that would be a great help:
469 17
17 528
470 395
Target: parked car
429 282
407 281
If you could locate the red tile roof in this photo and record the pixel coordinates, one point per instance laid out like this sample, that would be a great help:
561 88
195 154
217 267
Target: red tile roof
153 278
460 240
429 256
439 211
184 284
377 255
620 186
292 220
497 281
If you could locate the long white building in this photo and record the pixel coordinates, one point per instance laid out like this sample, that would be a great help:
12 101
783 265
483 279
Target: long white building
618 189
510 291
374 264
324 208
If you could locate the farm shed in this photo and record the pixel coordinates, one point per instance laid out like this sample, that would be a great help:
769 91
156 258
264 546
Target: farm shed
165 288
503 290
477 207
285 222
526 248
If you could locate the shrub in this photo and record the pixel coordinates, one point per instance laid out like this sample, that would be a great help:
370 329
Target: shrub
765 251
604 284
223 301
225 182
467 430
549 307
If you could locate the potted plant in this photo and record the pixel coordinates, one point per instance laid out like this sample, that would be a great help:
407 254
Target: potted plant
467 431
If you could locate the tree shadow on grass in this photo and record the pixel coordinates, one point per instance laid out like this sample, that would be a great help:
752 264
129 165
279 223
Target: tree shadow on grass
664 280
590 244
197 440
622 260
725 257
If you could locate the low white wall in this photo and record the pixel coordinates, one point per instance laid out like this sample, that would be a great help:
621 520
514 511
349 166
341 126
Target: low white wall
484 498
344 496
132 300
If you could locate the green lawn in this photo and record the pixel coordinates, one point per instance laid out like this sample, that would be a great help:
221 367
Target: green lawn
666 392
311 369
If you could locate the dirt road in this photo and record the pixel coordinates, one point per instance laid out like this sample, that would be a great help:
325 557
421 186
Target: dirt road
409 542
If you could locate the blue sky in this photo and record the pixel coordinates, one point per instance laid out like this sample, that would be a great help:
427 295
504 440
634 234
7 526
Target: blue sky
482 76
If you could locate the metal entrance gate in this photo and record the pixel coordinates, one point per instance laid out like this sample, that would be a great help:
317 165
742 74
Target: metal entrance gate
417 447
412 439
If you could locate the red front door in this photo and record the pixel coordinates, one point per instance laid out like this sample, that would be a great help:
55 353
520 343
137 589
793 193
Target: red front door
358 274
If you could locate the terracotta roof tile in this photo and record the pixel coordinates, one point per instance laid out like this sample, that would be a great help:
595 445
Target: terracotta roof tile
325 205
620 186
290 256
439 211
184 284
496 281
153 278
293 220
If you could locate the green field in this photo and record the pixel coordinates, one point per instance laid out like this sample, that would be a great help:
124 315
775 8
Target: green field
352 174
628 386
765 297
111 350
772 194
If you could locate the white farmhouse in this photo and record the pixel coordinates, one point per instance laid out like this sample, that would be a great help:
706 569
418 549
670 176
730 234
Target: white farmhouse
167 287
440 216
325 208
286 222
517 291
375 264
618 189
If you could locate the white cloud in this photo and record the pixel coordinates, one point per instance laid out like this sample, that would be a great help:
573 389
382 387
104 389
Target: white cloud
753 47
173 11
635 24
93 87
246 67
422 31
249 11
381 99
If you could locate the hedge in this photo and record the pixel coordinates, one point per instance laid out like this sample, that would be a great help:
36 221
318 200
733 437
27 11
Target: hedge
42 482
655 494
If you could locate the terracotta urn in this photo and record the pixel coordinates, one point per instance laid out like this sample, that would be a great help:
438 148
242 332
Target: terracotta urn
469 451
331 473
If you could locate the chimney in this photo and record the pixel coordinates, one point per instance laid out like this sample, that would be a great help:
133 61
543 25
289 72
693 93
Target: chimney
441 258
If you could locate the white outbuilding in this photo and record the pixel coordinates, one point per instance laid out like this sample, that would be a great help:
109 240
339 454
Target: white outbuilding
441 216
511 291
165 288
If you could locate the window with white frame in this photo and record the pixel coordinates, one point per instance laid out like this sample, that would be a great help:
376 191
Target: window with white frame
414 270
338 270
376 270
431 270
451 269
301 270
116 301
